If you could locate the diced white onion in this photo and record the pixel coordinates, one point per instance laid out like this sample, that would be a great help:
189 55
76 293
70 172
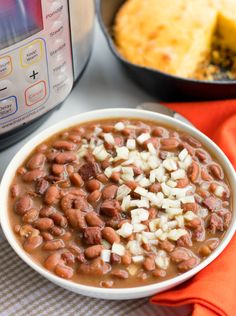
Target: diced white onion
143 137
175 234
118 249
138 259
131 144
106 255
119 126
126 230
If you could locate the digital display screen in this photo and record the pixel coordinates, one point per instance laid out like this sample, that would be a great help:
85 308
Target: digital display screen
19 19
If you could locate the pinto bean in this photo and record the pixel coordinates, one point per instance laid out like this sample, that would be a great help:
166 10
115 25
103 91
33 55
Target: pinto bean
187 264
180 254
52 260
92 235
23 204
57 231
168 144
54 244
201 155
65 157
41 186
109 192
57 169
204 251
51 195
120 274
15 190
149 264
69 258
212 203
185 241
33 175
107 284
205 175
167 246
94 196
59 219
191 140
110 235
30 216
216 171
76 218
75 201
63 144
159 273
182 183
32 242
76 179
46 211
93 251
216 223
115 176
131 184
155 187
44 223
126 259
193 171
190 207
64 271
92 185
47 236
110 208
37 161
27 230
102 178
96 268
93 219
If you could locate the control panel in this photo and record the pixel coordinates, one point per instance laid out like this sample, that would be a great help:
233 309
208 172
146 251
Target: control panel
36 74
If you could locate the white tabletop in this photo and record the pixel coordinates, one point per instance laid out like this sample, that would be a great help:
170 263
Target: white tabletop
103 85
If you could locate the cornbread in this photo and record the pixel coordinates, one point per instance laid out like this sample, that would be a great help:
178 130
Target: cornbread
173 36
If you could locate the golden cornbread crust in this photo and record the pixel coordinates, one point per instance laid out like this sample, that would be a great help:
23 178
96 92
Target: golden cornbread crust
174 36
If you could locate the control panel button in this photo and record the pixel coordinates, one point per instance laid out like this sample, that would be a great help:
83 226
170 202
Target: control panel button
54 11
31 53
8 107
5 88
58 46
5 66
35 93
61 83
33 74
56 29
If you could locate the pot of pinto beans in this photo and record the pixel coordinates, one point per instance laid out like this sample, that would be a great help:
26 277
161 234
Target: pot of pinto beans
119 205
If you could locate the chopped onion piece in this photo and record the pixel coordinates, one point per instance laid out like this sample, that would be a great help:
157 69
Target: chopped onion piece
219 191
167 203
106 244
139 228
109 138
169 164
153 224
131 144
141 191
126 230
106 255
118 249
183 154
143 137
119 126
151 149
122 152
187 199
189 216
135 247
178 174
175 234
149 235
162 260
139 214
122 191
138 259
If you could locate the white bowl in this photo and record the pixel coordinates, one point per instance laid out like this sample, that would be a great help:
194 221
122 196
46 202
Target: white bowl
104 293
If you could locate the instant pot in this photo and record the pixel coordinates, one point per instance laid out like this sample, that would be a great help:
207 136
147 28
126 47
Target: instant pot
44 48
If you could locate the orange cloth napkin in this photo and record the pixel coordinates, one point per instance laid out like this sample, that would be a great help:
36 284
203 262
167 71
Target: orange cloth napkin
212 292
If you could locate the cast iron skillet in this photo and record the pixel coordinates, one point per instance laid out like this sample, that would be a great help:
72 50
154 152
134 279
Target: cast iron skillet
164 86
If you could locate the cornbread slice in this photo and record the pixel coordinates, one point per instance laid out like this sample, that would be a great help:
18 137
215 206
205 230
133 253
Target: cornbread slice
173 36
227 23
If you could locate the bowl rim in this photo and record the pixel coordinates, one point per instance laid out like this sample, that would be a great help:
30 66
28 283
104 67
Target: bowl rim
114 50
95 116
